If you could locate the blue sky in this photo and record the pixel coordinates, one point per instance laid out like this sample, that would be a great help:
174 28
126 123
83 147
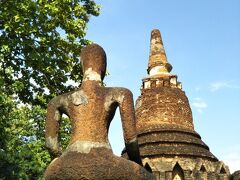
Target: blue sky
202 42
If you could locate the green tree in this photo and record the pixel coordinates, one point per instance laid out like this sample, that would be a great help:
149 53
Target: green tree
40 43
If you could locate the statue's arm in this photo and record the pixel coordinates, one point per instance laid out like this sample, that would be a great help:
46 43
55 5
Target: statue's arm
127 112
54 112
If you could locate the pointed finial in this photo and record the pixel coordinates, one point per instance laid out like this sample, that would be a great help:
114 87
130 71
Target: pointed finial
158 63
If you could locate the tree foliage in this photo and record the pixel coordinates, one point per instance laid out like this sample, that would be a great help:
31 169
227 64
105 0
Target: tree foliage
40 43
22 154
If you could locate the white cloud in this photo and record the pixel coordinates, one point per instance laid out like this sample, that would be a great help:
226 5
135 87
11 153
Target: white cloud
199 104
223 84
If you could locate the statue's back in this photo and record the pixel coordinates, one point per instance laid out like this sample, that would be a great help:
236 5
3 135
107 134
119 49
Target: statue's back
91 109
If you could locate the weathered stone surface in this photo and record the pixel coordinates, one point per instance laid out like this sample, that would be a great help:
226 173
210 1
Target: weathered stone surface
157 58
235 175
99 163
91 109
163 105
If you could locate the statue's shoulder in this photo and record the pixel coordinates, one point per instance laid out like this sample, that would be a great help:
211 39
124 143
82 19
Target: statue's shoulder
118 93
61 99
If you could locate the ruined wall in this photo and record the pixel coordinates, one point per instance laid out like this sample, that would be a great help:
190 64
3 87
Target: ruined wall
163 106
187 168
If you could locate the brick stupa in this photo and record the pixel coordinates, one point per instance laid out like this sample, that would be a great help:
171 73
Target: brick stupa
169 145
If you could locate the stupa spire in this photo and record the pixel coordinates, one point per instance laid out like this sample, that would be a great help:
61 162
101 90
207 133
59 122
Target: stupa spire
158 63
